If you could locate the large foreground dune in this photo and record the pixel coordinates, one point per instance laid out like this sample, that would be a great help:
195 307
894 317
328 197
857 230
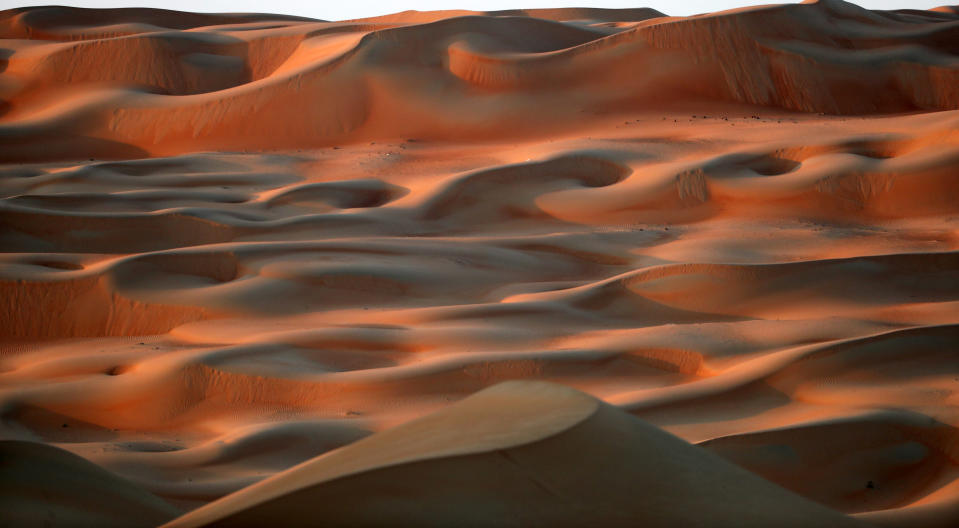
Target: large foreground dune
517 454
259 270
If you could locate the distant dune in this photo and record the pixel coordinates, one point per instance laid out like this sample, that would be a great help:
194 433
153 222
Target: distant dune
98 82
547 267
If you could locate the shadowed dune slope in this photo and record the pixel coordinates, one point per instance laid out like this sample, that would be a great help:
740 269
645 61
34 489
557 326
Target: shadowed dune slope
46 486
517 454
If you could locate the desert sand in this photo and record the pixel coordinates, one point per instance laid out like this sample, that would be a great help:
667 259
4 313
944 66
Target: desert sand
562 267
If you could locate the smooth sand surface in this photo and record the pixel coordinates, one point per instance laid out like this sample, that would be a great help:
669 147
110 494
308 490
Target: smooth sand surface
254 264
518 454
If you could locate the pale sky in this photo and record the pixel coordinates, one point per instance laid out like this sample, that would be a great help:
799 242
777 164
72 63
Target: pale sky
345 9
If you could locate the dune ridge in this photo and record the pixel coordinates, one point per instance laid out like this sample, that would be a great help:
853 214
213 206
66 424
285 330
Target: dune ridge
546 266
304 81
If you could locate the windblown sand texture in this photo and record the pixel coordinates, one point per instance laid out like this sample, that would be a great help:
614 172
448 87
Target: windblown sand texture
259 270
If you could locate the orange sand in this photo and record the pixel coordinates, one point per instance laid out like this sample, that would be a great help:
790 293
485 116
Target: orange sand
258 270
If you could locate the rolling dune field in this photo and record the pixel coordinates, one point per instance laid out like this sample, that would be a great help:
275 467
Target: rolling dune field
560 267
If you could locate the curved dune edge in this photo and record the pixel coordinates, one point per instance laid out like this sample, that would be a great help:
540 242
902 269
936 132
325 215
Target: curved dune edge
41 485
518 453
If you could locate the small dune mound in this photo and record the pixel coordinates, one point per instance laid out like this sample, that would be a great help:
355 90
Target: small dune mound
129 232
163 62
275 446
619 299
171 63
82 306
847 284
494 34
479 195
46 486
875 147
494 58
524 454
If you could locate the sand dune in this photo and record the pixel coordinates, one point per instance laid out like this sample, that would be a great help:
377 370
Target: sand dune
251 263
268 82
43 485
517 454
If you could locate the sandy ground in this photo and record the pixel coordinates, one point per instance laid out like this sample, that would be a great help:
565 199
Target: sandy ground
259 270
